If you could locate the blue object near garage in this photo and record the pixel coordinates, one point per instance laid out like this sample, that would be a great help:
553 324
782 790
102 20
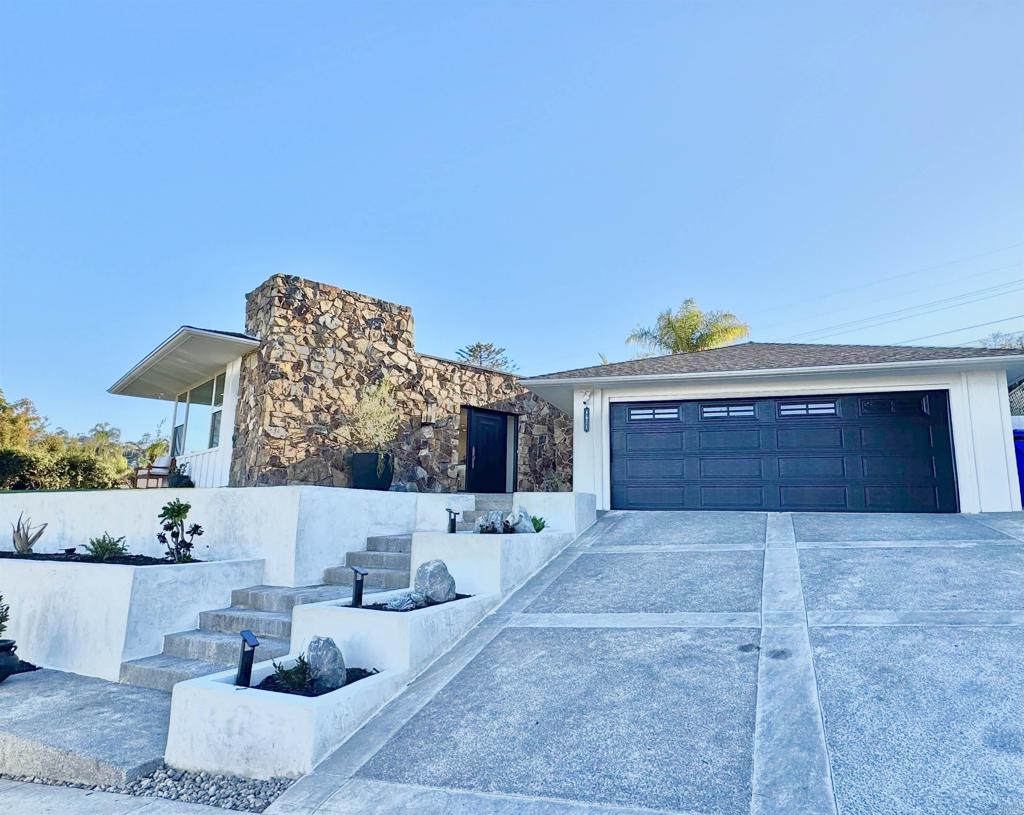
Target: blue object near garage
1018 445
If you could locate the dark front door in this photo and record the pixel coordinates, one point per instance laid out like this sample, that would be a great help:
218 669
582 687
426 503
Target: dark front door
860 452
487 451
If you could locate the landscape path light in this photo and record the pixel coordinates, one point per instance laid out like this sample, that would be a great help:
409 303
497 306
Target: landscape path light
243 678
452 520
357 586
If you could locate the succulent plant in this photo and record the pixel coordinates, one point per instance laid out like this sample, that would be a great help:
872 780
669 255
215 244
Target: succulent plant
24 537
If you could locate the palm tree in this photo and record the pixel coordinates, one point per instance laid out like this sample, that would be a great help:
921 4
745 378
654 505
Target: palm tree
690 329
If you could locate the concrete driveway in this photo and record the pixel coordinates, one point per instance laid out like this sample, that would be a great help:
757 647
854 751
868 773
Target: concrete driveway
725 663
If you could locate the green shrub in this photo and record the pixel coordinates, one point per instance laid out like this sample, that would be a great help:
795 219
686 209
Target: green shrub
40 468
26 470
175 536
297 677
77 469
538 523
5 615
106 546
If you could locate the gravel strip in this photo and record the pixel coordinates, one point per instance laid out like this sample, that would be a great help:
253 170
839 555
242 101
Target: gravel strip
224 791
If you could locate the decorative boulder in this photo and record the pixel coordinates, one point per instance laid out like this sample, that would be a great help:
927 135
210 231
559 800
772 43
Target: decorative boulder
326 664
434 581
519 520
489 523
406 602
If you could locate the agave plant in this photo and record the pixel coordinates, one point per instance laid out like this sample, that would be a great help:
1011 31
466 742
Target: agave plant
24 537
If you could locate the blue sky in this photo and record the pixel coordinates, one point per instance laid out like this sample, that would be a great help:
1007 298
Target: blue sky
541 175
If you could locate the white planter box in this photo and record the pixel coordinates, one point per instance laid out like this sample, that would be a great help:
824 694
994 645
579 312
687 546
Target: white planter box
218 728
407 641
88 618
488 564
563 511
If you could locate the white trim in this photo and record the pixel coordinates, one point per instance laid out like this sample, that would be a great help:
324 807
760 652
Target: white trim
231 346
878 367
974 440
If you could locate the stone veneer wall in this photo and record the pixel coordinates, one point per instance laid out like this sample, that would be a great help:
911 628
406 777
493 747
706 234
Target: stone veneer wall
321 346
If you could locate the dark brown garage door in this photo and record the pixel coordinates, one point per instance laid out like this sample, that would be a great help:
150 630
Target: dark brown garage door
865 452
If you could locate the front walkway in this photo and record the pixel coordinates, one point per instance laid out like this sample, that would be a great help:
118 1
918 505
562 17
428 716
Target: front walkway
723 664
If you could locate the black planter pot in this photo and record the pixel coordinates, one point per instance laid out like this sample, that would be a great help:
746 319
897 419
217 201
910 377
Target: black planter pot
364 471
9 662
179 480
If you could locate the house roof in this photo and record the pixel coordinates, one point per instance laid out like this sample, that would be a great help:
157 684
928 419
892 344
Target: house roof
190 356
752 359
759 356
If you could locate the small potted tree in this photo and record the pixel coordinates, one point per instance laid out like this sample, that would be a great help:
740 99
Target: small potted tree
9 661
374 426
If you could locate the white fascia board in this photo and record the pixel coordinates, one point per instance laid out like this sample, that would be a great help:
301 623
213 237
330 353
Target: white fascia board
234 345
1009 363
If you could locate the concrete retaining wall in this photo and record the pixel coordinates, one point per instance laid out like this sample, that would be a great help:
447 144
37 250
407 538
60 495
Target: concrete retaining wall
488 564
408 640
88 618
299 531
563 511
219 728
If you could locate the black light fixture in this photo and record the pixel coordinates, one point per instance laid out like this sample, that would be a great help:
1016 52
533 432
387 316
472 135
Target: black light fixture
452 518
243 678
357 586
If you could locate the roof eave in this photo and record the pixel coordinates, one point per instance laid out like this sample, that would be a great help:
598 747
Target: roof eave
1010 362
232 343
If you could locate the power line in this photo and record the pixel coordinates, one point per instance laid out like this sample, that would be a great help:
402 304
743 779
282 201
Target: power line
964 328
899 276
919 310
905 292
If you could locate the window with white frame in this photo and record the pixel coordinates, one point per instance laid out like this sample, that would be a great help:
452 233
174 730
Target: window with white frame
727 412
197 417
647 414
815 408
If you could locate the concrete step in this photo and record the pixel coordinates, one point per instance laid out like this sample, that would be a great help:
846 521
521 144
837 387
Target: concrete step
261 623
464 526
283 598
379 560
380 579
163 672
498 500
218 647
389 543
66 727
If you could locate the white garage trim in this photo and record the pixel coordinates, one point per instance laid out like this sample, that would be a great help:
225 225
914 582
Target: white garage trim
979 417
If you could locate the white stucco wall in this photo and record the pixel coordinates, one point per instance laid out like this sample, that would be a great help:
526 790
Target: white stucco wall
299 531
407 641
488 564
979 414
218 728
88 618
562 511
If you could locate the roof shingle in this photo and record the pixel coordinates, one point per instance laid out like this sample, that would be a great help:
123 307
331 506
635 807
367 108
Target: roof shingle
759 356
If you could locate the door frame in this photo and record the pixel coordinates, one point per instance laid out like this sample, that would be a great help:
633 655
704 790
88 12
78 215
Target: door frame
513 433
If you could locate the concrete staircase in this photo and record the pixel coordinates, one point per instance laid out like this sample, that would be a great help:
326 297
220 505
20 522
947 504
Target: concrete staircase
267 610
386 558
485 502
